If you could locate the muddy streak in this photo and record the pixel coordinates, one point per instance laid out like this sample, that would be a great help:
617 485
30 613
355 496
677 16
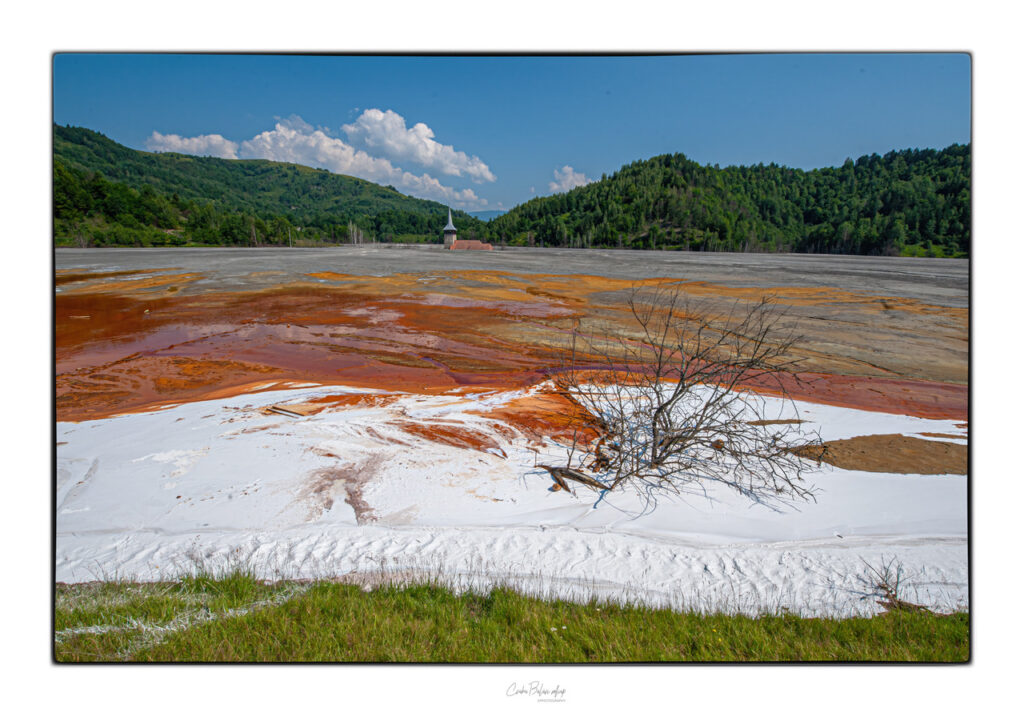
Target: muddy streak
62 277
356 400
161 284
349 482
452 435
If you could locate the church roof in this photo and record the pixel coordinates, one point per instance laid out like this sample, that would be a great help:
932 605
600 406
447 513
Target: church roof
450 227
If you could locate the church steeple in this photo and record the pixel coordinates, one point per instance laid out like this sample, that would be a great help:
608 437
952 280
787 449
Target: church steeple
449 231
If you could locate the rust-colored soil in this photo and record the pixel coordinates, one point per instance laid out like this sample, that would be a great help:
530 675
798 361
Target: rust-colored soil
893 453
128 345
924 399
165 283
354 400
795 296
452 435
549 415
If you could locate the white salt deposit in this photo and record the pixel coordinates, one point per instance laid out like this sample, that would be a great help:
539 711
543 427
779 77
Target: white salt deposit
223 483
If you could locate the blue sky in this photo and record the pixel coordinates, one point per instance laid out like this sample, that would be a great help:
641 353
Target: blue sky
491 132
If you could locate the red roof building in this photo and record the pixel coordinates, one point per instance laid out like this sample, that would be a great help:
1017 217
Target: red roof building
470 244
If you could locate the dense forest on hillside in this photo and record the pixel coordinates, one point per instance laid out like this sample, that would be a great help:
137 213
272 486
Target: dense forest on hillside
914 202
108 194
910 202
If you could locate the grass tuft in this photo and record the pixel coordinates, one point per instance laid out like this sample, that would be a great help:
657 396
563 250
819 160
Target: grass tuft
235 617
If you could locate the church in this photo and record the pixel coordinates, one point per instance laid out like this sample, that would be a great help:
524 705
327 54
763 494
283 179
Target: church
452 242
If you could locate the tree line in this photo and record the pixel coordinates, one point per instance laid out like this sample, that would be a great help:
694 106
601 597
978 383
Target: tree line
910 202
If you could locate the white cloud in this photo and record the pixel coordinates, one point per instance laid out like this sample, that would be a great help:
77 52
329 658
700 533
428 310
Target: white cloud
294 140
205 145
567 178
296 123
386 133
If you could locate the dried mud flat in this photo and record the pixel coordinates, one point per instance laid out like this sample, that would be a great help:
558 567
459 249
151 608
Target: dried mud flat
942 282
894 453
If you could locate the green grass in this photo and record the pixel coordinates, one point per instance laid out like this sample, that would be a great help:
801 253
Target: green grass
239 618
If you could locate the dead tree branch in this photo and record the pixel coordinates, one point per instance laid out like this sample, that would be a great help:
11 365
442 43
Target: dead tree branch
683 400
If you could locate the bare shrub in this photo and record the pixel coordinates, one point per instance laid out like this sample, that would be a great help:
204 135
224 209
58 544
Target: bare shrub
674 403
886 586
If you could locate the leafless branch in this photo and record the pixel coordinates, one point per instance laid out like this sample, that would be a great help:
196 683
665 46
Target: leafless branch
681 400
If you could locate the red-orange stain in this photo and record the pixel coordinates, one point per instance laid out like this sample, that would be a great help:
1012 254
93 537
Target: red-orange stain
451 435
169 283
356 400
549 415
133 354
924 399
122 346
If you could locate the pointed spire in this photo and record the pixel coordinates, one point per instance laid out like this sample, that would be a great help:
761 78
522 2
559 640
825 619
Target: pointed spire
450 227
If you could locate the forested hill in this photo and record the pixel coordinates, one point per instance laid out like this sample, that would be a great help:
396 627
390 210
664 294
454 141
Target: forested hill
911 202
106 193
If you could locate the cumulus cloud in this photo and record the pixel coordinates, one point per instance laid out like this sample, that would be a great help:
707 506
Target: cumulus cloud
204 145
294 140
567 178
386 133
